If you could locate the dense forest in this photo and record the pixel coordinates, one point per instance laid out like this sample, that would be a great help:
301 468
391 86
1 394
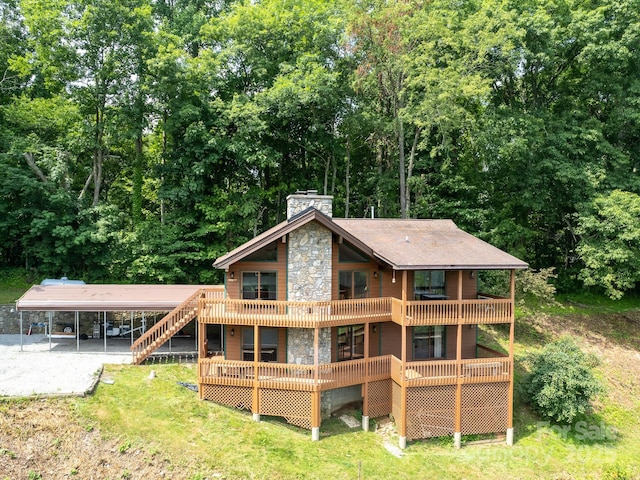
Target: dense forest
141 139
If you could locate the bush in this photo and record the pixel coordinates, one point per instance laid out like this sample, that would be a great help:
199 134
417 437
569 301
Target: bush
561 384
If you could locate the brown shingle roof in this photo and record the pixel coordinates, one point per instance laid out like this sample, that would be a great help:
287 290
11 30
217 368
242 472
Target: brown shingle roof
426 244
403 244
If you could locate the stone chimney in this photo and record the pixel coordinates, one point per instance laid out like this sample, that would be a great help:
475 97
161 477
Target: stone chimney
308 274
301 200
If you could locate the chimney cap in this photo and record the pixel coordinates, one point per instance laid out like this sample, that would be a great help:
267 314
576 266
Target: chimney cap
306 192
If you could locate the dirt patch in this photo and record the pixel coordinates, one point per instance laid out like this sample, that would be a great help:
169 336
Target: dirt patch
43 439
614 338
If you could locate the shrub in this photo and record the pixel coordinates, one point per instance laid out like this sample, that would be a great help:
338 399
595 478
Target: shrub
561 384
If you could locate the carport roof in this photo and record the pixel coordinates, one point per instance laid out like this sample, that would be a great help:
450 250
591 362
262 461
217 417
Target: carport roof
105 298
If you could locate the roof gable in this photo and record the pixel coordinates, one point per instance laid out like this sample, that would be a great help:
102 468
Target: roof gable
306 216
403 244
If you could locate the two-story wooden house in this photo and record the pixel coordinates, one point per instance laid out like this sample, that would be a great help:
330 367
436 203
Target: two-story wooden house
318 312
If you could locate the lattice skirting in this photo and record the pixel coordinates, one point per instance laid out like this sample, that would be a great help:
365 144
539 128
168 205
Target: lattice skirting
238 397
485 407
396 403
295 407
430 411
379 398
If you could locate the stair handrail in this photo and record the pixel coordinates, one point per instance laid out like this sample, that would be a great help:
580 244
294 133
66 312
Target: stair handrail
162 326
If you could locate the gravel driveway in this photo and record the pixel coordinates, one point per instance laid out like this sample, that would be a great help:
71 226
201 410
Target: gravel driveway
38 371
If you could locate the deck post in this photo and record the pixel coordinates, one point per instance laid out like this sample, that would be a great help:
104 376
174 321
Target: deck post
511 358
365 397
315 415
316 403
457 434
202 339
257 353
402 426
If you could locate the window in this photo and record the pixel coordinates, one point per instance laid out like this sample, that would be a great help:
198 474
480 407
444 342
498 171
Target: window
353 284
349 254
268 253
268 344
429 342
259 286
350 342
427 282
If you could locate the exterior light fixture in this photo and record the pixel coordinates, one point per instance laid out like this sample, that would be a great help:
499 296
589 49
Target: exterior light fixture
232 332
393 277
375 274
374 329
232 275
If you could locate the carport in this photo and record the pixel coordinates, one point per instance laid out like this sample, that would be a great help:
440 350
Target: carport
101 299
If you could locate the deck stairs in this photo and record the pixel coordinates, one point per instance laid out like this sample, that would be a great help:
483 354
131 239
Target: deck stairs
166 328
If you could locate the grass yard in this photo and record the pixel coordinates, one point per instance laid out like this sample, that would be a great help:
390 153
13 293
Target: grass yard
13 284
140 427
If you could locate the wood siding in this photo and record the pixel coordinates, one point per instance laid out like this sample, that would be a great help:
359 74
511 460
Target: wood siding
233 285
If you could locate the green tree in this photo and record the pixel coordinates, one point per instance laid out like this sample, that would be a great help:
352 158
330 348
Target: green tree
609 243
561 384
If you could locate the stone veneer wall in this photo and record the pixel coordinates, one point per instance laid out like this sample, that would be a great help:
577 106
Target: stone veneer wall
309 279
299 202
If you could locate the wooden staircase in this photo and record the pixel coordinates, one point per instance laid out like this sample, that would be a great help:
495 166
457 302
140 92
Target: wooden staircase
166 328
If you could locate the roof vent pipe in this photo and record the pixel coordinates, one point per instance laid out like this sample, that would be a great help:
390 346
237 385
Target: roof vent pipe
373 209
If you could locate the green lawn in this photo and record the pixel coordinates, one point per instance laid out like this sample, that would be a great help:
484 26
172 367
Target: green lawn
204 440
207 439
13 283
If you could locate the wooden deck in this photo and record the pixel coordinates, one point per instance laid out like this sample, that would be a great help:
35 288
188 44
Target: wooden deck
271 313
285 376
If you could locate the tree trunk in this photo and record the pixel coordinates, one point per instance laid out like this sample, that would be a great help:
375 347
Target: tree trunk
137 182
346 179
412 157
32 165
401 167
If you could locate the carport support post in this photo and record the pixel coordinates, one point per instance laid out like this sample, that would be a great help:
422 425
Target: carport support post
104 320
50 327
21 331
77 332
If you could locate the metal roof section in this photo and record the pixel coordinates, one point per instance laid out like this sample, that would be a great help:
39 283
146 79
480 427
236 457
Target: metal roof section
107 298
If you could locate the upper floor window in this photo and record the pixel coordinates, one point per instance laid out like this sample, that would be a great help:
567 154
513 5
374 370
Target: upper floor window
428 282
353 284
259 286
348 254
268 253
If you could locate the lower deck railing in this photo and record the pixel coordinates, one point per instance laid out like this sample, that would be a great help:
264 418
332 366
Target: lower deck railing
286 376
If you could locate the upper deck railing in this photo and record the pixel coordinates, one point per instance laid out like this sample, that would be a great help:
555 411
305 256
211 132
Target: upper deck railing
276 313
